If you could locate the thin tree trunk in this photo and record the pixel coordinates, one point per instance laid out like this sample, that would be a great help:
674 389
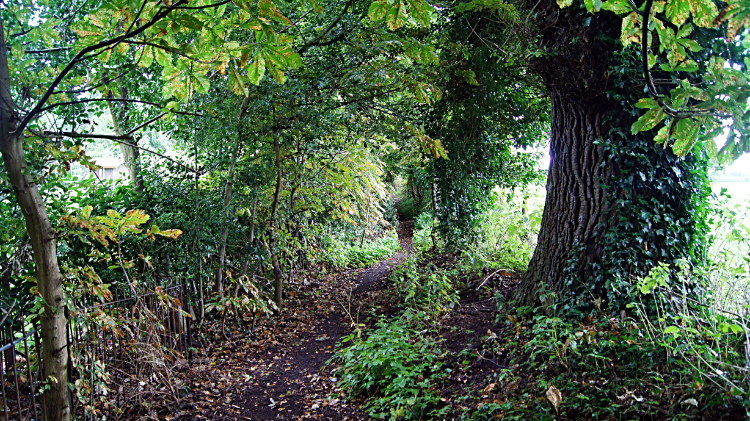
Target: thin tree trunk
433 231
277 274
56 399
130 154
219 279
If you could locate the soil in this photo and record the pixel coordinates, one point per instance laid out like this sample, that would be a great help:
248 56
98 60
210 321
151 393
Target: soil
281 370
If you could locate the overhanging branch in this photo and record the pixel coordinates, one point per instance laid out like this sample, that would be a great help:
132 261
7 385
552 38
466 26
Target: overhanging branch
82 55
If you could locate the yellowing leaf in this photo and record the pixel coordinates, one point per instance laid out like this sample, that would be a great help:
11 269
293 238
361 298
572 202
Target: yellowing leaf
173 233
257 69
619 7
648 120
678 11
378 10
704 12
686 135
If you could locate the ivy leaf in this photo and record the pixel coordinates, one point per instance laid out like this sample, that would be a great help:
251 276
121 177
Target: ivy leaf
257 69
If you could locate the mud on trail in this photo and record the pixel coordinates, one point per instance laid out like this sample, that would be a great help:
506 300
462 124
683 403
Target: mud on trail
279 371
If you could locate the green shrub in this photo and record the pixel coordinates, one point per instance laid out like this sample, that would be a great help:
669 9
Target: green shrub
507 234
428 289
340 253
409 209
424 229
395 368
706 331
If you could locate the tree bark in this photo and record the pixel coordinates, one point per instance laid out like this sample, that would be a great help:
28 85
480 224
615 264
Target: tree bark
616 203
575 203
577 77
277 274
130 154
228 185
56 399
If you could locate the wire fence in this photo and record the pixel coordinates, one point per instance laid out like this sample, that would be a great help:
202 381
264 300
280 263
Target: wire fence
95 347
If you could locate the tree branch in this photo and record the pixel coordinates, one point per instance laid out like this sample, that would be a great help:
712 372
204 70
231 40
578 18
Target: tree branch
145 124
647 73
76 135
208 6
82 55
328 29
81 101
168 49
118 139
49 50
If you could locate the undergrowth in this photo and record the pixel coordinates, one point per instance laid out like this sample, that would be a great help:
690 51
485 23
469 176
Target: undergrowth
396 367
507 234
340 253
680 351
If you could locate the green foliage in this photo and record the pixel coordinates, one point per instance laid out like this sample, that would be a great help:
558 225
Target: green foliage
507 233
425 234
655 211
409 208
427 289
339 252
706 95
396 369
490 115
708 329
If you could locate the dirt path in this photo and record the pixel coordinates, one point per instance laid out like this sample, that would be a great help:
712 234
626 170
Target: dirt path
283 374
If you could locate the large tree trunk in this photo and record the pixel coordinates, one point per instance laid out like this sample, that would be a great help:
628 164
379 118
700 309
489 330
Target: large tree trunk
616 203
56 399
577 77
575 203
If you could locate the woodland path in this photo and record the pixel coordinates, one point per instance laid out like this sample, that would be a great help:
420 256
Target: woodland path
281 372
